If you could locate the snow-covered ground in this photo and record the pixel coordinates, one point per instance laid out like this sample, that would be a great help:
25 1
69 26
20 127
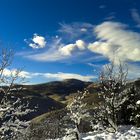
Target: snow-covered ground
124 133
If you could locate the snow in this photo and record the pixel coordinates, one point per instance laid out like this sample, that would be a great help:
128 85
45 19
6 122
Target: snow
123 133
138 102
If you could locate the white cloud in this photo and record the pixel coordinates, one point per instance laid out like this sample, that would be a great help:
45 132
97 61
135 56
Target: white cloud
37 42
47 57
80 44
67 50
83 29
116 42
103 48
136 17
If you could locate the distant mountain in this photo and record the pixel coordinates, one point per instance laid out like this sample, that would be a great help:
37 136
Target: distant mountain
64 87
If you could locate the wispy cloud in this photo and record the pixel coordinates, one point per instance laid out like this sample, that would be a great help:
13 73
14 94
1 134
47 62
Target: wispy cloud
116 42
13 72
94 65
36 42
76 30
136 16
54 76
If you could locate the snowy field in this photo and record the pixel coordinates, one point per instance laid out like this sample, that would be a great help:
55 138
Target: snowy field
124 133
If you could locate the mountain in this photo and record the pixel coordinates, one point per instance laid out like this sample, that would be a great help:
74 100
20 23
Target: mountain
57 90
64 87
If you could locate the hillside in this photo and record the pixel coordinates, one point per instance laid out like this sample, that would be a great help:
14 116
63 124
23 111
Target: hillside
46 97
57 90
40 122
55 95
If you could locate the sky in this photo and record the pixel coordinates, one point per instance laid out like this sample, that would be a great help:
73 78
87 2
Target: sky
62 39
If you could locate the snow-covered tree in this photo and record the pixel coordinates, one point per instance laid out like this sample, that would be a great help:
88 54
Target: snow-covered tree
77 112
11 107
11 113
112 83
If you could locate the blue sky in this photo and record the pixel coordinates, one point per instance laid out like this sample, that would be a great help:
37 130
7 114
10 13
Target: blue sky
60 39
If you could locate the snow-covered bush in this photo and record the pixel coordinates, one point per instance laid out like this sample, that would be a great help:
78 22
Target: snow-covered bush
11 112
111 96
77 112
129 113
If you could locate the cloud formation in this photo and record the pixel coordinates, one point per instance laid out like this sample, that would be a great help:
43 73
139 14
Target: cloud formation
113 40
116 42
49 55
53 76
13 72
80 44
37 42
58 51
68 49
